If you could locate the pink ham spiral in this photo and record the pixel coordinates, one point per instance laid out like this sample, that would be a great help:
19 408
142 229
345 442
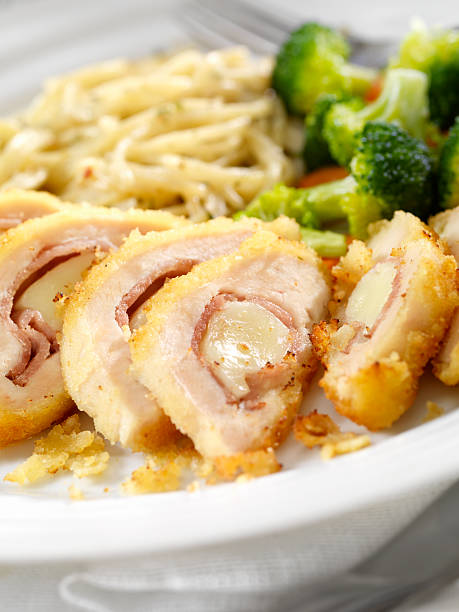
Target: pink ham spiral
32 393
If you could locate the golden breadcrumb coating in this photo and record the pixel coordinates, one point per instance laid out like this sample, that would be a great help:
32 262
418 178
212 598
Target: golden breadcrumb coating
448 371
28 409
446 362
17 205
148 356
372 375
348 271
113 400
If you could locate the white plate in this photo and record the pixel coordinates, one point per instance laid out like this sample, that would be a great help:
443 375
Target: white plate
41 523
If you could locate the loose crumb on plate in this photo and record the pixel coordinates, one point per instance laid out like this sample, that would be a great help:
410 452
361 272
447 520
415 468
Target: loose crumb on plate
150 479
75 493
317 429
65 447
167 470
243 466
433 412
163 470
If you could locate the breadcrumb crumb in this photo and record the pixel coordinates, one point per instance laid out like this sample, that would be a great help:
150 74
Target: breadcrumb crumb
75 493
317 429
150 479
433 412
348 443
243 466
165 470
193 486
65 447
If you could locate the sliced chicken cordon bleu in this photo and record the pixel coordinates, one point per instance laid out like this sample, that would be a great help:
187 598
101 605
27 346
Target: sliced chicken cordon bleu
40 260
225 349
108 305
393 301
446 363
17 205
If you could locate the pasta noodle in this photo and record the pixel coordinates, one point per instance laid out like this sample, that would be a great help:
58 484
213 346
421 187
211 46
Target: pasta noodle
198 132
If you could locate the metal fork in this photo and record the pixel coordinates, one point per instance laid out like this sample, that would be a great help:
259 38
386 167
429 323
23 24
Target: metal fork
219 23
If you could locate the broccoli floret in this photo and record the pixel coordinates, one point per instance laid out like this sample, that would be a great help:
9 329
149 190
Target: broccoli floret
282 200
316 151
312 62
395 168
403 101
444 91
391 170
448 170
435 52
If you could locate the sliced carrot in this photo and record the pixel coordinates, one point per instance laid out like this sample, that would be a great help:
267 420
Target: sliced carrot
323 175
375 90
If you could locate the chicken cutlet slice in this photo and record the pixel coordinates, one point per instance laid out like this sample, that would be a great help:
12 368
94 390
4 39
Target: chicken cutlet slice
225 350
18 205
392 305
40 258
107 306
446 363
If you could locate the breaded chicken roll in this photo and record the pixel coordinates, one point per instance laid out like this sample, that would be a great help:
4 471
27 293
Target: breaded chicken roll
105 308
446 363
392 305
40 259
18 205
226 350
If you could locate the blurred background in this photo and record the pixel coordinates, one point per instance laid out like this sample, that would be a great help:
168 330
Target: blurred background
39 38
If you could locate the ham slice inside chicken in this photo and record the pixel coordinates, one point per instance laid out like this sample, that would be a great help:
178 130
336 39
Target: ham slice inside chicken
109 304
389 324
226 350
242 343
37 336
36 258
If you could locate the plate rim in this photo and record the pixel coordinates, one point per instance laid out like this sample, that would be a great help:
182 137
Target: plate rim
190 520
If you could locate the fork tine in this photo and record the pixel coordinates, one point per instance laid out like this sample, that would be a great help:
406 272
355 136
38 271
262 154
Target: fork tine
262 21
212 26
207 37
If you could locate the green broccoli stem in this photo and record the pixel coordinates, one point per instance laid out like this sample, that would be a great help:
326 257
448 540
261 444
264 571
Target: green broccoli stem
360 77
326 199
325 243
403 99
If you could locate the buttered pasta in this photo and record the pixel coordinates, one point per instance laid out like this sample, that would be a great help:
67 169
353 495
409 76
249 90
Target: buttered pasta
200 133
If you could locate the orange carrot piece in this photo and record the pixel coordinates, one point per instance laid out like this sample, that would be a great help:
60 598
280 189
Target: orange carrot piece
323 175
375 90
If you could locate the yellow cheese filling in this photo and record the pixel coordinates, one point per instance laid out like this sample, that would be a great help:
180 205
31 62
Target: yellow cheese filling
60 279
370 294
240 340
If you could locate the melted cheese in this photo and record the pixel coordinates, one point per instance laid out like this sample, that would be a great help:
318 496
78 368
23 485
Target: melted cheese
370 294
62 278
138 318
240 340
